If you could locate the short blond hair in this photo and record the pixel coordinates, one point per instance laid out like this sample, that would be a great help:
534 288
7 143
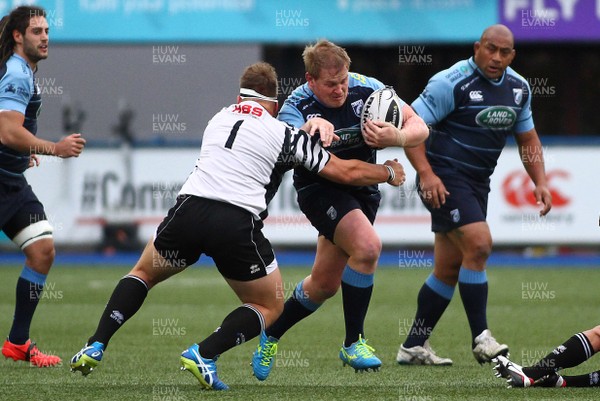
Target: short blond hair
324 54
260 77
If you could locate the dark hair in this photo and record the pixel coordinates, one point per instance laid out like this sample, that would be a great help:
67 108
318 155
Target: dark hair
18 19
260 77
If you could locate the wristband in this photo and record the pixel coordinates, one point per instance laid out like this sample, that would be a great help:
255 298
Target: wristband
392 176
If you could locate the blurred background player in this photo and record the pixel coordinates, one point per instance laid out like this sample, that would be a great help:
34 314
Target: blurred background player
472 107
219 211
544 373
23 43
348 248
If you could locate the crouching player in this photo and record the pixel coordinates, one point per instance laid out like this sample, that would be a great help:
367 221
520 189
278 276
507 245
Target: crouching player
545 373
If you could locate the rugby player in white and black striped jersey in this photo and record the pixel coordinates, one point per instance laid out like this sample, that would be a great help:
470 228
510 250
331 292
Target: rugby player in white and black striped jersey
219 211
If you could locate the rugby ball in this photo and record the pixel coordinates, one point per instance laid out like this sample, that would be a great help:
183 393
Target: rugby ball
382 105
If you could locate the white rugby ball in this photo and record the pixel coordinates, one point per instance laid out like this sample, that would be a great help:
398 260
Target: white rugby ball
382 105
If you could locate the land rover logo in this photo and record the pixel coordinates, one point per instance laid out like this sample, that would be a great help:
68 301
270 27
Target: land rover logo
496 117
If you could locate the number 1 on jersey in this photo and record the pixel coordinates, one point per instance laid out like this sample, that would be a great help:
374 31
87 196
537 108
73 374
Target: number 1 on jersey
233 134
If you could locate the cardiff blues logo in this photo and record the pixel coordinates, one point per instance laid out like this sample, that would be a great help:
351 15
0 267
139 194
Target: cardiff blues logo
518 95
455 215
357 107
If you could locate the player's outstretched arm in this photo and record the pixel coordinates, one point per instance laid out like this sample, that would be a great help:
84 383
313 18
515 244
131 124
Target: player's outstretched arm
15 136
379 134
359 173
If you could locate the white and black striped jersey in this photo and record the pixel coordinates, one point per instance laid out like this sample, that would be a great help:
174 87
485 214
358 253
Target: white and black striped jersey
244 154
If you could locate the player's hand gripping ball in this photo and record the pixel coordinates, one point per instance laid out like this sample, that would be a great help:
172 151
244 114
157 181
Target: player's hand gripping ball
382 105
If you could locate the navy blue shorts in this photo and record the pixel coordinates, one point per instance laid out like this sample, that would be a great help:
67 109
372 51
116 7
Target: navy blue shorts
325 205
19 207
230 235
467 203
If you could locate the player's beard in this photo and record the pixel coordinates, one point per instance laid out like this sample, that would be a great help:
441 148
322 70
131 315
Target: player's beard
34 54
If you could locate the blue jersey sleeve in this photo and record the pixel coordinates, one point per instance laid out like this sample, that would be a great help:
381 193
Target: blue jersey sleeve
356 79
436 101
15 90
290 111
291 115
525 119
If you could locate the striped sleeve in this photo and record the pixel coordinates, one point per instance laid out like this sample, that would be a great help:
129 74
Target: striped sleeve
307 151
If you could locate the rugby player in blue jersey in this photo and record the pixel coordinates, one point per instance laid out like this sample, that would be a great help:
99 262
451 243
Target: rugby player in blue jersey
472 107
348 247
23 43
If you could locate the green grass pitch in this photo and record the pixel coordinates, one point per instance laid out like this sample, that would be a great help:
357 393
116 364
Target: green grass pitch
532 310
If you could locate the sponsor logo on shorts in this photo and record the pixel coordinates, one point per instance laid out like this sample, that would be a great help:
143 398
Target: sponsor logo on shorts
455 214
332 213
254 269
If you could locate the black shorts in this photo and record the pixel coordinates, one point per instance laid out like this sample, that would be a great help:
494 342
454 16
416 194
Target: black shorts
325 205
228 234
467 203
19 207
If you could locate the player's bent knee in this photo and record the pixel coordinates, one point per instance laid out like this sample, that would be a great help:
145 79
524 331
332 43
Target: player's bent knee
270 311
324 290
595 334
33 233
481 250
277 309
368 252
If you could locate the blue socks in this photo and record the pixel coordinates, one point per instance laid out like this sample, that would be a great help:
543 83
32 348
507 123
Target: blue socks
473 287
356 295
432 301
296 308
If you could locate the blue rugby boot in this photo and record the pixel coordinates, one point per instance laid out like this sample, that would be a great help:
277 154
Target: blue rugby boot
88 358
264 356
204 369
360 356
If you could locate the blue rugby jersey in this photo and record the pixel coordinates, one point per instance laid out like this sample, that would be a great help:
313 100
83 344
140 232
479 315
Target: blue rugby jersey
18 92
302 105
471 116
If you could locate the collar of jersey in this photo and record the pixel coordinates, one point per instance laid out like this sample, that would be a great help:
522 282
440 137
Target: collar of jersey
476 68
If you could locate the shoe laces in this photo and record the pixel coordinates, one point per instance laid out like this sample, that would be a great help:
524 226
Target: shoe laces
32 351
363 349
267 352
427 347
36 356
489 340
